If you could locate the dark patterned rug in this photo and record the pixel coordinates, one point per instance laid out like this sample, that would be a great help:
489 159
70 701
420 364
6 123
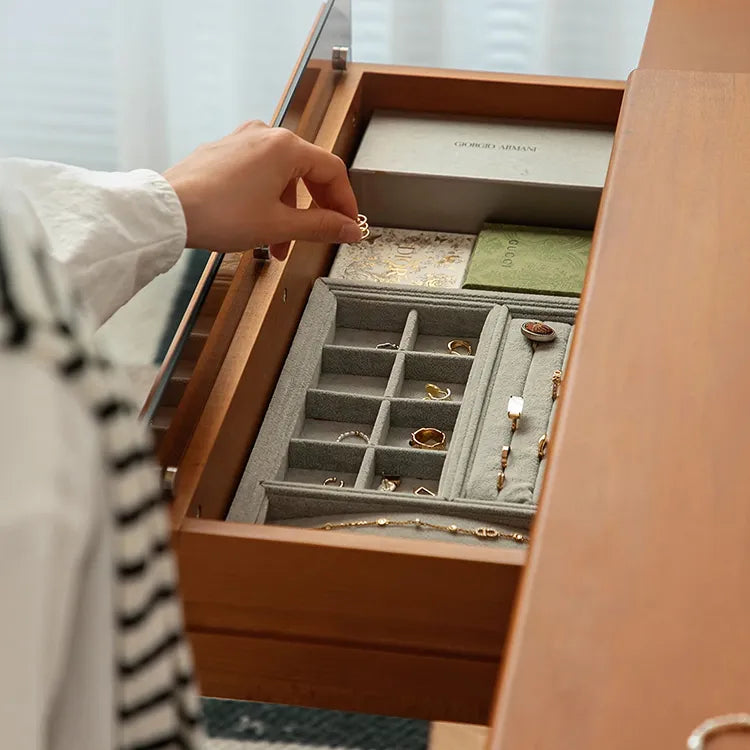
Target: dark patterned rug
236 725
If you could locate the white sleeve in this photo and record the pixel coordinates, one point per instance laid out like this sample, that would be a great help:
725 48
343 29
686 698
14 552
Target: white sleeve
114 231
50 489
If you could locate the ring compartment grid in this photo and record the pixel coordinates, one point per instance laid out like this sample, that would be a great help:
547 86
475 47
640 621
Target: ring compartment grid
335 380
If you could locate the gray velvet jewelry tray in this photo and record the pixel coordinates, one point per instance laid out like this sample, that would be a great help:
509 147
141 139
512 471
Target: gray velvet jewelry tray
335 380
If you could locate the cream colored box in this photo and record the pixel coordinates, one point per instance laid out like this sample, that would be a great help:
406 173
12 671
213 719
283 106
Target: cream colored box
449 174
405 256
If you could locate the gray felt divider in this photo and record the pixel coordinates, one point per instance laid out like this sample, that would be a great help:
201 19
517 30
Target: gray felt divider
335 380
355 370
483 374
406 416
328 415
287 501
415 468
411 329
492 426
368 315
341 407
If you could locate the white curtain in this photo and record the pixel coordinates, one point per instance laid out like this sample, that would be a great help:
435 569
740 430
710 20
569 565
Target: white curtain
125 83
588 38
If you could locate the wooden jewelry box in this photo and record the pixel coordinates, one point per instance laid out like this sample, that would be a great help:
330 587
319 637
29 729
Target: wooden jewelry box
420 628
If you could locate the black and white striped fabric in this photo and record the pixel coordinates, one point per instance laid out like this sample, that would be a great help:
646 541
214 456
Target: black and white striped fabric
157 703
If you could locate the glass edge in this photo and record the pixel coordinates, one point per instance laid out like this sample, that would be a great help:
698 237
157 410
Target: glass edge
208 276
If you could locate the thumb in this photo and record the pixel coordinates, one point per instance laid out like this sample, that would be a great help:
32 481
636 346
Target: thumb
320 225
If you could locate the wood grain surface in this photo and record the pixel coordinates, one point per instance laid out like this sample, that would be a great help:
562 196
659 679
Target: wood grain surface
633 620
410 684
698 35
337 621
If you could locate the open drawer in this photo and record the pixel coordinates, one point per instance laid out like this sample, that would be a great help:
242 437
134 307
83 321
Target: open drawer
349 621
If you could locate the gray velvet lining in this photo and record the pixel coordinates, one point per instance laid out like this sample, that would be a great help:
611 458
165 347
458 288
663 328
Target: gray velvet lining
523 463
335 380
553 413
406 416
302 506
524 369
445 371
415 468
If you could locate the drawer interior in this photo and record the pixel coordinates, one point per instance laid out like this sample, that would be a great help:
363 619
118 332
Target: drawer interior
359 592
337 445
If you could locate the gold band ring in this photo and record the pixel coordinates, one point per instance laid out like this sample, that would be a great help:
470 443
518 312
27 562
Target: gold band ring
353 434
428 438
460 347
332 480
436 393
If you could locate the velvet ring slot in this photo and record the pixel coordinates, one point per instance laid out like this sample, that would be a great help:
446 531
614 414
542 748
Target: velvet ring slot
337 381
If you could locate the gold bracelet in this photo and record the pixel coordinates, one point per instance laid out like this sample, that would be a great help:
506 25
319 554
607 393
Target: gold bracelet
482 532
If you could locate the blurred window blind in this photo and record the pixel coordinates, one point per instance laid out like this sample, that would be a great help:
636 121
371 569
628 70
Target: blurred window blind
57 72
125 83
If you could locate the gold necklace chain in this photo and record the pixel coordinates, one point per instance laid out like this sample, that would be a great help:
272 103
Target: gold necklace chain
481 532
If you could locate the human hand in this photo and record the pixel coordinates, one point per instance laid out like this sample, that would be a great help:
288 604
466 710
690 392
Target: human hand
241 192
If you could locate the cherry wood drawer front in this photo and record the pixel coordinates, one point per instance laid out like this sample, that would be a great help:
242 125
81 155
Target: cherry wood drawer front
379 603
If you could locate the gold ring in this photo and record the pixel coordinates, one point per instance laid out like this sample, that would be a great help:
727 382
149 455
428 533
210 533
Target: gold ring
389 483
333 480
515 409
424 492
436 393
353 434
504 457
364 227
556 383
428 438
455 347
541 446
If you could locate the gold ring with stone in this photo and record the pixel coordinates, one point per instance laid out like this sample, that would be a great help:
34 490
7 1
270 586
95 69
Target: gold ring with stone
353 434
388 345
556 383
428 438
538 332
457 345
389 483
504 457
515 410
332 480
436 393
424 492
541 446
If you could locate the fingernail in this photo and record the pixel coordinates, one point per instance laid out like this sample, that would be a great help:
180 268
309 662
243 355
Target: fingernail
350 233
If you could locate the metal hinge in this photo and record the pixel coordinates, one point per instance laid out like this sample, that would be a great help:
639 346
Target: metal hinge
168 479
339 58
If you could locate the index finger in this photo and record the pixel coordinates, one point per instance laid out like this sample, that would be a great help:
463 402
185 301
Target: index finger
326 178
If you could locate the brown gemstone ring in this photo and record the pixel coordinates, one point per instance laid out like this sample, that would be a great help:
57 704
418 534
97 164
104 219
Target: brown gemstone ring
538 332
